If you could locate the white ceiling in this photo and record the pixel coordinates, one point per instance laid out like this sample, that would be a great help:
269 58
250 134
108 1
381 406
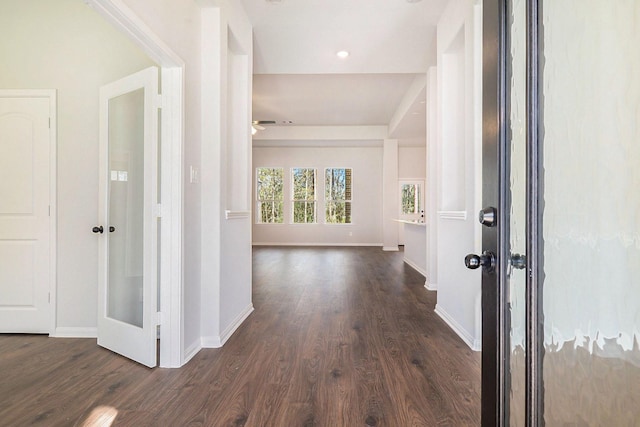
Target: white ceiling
298 76
329 99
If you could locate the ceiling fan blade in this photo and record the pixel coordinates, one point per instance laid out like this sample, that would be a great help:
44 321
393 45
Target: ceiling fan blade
264 122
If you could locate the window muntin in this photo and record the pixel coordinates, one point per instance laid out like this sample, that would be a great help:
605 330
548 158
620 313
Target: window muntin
338 195
303 200
270 195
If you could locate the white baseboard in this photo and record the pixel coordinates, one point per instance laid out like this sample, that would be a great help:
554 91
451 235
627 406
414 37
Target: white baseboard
430 286
73 332
474 343
390 248
218 341
191 351
415 267
293 244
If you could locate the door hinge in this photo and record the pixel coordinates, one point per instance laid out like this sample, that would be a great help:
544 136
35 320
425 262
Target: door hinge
159 318
49 122
49 297
159 101
49 210
159 211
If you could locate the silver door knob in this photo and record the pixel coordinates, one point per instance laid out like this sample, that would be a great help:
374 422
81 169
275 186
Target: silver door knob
487 261
488 217
518 261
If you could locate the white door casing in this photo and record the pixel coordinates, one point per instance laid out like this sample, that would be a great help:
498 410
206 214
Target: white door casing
172 354
128 255
27 211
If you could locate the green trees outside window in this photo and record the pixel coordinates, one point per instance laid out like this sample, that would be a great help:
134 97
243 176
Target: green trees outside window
270 192
410 199
338 196
304 195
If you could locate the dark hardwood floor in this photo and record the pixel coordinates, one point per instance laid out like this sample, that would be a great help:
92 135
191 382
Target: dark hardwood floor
339 337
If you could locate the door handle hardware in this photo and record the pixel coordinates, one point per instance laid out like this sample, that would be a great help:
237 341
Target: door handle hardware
487 261
97 229
111 229
518 261
488 217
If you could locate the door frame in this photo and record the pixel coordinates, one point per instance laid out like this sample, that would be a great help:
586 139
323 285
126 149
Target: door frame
51 95
171 188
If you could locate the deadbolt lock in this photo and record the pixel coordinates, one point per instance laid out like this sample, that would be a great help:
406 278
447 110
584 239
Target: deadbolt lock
488 217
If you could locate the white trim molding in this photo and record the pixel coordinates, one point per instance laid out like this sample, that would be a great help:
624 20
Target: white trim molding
191 351
474 343
430 286
454 215
415 267
125 20
218 341
236 214
73 332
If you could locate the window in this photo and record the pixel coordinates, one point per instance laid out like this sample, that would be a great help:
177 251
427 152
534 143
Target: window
410 194
338 196
304 195
270 195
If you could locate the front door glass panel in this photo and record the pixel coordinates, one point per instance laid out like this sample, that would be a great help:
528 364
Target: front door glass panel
516 276
591 113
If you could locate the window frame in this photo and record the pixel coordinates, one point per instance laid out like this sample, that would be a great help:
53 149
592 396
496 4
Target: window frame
294 200
349 201
274 201
420 195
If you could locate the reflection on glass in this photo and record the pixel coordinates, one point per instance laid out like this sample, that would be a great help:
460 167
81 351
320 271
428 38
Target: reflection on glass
126 172
591 218
518 242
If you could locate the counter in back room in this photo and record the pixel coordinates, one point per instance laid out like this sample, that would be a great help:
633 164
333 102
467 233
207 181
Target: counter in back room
415 244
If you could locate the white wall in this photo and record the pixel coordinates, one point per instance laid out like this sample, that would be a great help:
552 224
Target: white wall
366 163
226 164
458 167
432 181
64 45
412 162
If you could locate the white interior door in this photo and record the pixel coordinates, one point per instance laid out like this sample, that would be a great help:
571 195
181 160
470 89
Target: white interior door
128 287
25 224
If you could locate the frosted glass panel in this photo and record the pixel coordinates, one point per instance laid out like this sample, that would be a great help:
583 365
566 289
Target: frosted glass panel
591 212
126 191
516 277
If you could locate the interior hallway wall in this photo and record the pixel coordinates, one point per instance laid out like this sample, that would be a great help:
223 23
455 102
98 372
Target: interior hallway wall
458 165
412 162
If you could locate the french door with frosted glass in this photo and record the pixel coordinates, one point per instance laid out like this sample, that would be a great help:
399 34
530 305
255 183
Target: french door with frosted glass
562 131
127 298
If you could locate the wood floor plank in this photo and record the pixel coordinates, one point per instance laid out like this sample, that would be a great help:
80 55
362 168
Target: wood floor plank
340 337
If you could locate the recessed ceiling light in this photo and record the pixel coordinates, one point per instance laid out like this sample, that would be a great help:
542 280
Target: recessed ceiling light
413 1
342 54
276 1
